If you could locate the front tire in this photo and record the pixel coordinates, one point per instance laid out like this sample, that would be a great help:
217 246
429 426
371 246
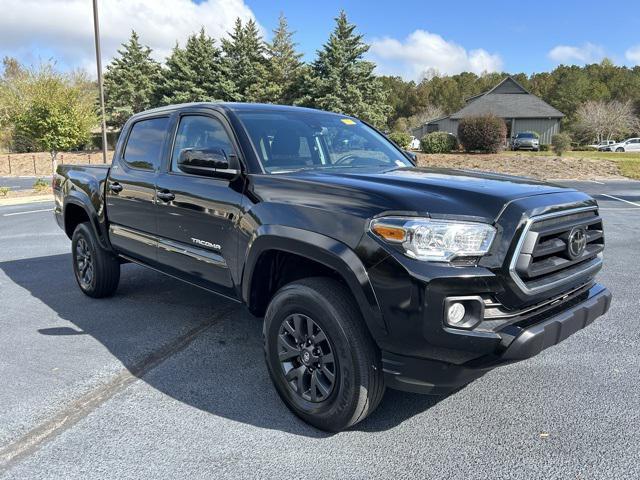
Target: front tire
320 356
97 270
619 149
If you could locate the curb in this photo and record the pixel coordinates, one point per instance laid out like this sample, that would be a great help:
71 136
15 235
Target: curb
25 200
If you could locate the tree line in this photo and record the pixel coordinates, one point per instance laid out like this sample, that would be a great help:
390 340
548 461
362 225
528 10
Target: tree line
242 67
44 109
590 96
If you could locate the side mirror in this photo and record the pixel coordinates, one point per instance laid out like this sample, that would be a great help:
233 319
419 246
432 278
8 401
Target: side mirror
210 162
412 156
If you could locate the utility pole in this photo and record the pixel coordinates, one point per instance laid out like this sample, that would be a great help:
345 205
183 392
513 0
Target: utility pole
96 28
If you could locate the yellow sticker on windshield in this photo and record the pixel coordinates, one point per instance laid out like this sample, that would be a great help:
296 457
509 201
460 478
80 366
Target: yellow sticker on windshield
348 121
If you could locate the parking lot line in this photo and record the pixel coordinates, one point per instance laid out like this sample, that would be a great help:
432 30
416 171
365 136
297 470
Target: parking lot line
620 199
32 440
29 211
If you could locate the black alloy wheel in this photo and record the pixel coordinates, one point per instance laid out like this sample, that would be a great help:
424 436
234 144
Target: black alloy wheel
306 358
96 269
84 264
320 354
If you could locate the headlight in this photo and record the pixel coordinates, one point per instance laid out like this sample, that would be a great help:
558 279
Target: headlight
435 240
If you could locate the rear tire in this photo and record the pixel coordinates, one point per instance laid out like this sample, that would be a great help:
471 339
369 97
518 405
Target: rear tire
339 381
97 270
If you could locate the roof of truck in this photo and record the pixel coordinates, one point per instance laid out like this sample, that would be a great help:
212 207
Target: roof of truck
234 106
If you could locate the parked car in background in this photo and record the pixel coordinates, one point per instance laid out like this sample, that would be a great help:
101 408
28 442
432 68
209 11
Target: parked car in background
602 145
526 141
628 145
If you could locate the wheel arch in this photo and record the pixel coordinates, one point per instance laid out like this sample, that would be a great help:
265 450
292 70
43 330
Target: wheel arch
319 255
78 208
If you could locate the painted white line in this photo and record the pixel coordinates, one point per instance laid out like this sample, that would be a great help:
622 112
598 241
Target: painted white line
620 199
595 181
618 209
30 211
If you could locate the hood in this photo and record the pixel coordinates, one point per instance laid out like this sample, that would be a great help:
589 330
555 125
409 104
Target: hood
423 191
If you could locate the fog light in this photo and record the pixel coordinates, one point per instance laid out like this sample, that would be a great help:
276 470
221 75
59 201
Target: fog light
463 312
456 313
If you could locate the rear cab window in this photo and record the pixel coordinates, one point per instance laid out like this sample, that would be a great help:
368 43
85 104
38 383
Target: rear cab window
144 145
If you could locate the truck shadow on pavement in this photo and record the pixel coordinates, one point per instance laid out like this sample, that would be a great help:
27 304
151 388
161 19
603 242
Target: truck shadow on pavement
221 368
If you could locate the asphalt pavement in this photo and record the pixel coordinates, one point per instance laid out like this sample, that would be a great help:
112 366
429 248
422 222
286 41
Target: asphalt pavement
167 381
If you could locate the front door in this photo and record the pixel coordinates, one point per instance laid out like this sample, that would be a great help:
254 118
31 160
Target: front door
198 215
131 192
633 145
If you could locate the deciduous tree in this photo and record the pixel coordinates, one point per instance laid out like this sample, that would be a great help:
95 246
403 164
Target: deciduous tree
51 111
605 120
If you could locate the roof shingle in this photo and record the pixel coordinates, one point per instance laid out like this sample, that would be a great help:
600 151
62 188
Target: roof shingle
518 103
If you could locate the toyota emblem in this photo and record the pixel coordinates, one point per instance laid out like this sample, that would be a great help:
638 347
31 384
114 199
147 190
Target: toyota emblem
577 242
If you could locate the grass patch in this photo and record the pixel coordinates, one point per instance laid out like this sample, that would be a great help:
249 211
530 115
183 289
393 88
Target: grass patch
630 168
628 162
616 157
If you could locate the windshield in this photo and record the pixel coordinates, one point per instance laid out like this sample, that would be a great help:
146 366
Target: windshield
313 140
526 135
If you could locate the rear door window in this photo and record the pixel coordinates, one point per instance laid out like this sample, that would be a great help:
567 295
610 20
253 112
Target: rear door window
144 146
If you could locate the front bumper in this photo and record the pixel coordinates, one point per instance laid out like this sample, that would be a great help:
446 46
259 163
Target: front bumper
526 146
517 343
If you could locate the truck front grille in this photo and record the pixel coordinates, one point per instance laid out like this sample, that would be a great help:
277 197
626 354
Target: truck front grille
556 248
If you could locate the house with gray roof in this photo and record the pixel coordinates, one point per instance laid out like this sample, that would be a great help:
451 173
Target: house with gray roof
521 110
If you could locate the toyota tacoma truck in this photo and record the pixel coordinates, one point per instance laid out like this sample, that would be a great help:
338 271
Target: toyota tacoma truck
368 272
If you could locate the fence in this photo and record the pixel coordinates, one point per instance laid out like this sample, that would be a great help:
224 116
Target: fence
39 163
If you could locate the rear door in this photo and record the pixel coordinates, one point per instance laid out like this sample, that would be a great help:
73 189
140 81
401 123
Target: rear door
131 193
198 215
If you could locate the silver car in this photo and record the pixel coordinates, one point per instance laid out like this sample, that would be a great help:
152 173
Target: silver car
526 141
629 145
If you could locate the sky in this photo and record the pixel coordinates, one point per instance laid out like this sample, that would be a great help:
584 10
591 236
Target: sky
408 38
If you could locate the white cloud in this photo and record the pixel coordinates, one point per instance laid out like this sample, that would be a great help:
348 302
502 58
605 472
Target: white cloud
586 53
633 54
35 30
423 52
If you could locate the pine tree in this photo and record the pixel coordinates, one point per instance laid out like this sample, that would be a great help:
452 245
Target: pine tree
195 73
244 58
130 81
341 81
284 65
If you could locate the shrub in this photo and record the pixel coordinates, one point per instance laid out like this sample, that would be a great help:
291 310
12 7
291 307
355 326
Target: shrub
561 142
40 185
402 139
484 133
4 191
438 142
545 147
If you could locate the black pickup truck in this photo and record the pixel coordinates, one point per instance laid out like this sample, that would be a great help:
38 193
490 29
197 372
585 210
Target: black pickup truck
368 271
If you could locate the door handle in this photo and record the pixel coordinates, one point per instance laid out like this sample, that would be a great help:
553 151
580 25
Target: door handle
115 187
165 196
